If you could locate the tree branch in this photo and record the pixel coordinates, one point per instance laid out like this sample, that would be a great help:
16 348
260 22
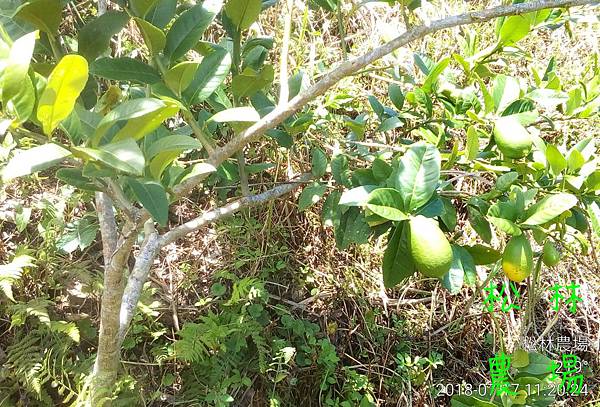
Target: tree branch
232 207
118 196
143 263
244 186
153 243
108 226
284 89
282 112
102 6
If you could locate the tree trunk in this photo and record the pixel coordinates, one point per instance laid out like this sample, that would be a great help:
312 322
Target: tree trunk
116 254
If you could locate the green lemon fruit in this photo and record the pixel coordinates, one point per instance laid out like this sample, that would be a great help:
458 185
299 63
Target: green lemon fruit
517 260
550 256
512 139
430 250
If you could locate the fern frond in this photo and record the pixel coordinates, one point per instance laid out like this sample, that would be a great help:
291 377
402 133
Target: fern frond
40 359
11 273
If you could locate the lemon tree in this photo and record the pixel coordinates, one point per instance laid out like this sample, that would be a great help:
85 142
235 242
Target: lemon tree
459 139
180 107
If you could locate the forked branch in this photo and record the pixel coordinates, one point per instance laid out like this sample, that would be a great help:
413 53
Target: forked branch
153 242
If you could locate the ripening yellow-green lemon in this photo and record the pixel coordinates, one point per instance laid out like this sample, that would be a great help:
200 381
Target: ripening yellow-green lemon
512 139
517 260
550 255
430 250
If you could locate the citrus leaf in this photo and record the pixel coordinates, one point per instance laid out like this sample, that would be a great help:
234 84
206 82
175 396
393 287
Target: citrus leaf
480 224
330 215
417 175
45 15
593 181
124 156
519 358
506 90
319 162
15 70
340 170
187 30
94 37
65 83
153 198
131 109
482 254
397 262
505 225
162 13
210 74
311 195
453 280
125 69
548 98
514 28
199 169
424 62
468 266
470 401
381 170
173 143
154 37
357 196
243 12
141 7
555 158
575 161
433 76
506 180
387 203
549 208
139 127
180 76
75 177
396 96
161 161
236 114
593 210
538 364
352 228
587 147
35 159
14 28
249 81
22 105
390 123
472 147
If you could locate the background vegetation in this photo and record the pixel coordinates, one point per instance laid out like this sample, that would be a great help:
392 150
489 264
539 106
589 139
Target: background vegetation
272 306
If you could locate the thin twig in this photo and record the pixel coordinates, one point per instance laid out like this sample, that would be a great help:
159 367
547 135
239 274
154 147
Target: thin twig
284 89
232 207
241 159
